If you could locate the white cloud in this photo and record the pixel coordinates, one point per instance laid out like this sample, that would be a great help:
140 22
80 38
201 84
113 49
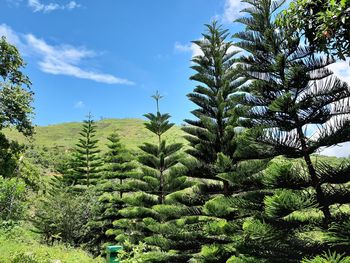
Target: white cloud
232 10
342 70
188 48
72 5
10 35
195 50
14 3
341 150
64 60
59 59
38 6
182 47
79 105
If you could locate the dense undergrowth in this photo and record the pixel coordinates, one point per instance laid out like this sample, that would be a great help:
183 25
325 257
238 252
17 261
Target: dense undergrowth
19 244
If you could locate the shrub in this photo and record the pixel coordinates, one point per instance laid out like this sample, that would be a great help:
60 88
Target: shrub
12 198
62 217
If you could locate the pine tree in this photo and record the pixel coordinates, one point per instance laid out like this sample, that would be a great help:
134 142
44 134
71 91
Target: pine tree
118 167
161 175
85 164
211 135
296 106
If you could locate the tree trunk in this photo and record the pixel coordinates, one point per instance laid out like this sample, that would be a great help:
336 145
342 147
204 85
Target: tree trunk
161 188
314 179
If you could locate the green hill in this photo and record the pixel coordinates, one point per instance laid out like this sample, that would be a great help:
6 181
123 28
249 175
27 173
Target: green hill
132 133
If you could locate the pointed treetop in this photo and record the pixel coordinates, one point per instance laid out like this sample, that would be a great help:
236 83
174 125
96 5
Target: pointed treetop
157 97
89 116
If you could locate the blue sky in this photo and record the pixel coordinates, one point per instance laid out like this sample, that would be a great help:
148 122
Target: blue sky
110 56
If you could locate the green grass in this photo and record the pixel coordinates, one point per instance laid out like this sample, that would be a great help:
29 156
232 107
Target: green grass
131 131
9 249
20 240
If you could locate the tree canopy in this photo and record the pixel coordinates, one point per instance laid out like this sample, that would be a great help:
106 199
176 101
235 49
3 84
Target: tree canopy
15 94
325 24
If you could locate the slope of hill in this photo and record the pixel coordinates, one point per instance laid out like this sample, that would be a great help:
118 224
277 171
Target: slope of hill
132 133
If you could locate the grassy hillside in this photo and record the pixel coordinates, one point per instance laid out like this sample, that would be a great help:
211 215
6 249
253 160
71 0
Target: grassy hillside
132 132
19 244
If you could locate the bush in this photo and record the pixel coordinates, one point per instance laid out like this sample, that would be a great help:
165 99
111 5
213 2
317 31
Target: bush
31 175
12 198
61 217
133 254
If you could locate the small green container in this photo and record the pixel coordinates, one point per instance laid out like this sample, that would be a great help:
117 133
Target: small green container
112 252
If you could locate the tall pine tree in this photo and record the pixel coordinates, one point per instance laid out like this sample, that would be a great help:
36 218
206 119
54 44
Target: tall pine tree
161 175
211 135
211 132
296 106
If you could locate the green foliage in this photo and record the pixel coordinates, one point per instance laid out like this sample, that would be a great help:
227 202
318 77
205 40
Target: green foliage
148 211
243 259
10 152
19 243
291 91
62 215
285 173
213 253
212 132
15 100
324 23
328 258
12 198
48 160
250 188
14 164
16 111
284 202
21 257
85 165
139 254
31 175
118 168
11 64
213 145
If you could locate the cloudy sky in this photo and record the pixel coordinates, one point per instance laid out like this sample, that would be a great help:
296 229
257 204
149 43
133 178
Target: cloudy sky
110 56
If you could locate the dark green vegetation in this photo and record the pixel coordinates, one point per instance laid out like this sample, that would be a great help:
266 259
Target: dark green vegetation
291 91
325 24
240 182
